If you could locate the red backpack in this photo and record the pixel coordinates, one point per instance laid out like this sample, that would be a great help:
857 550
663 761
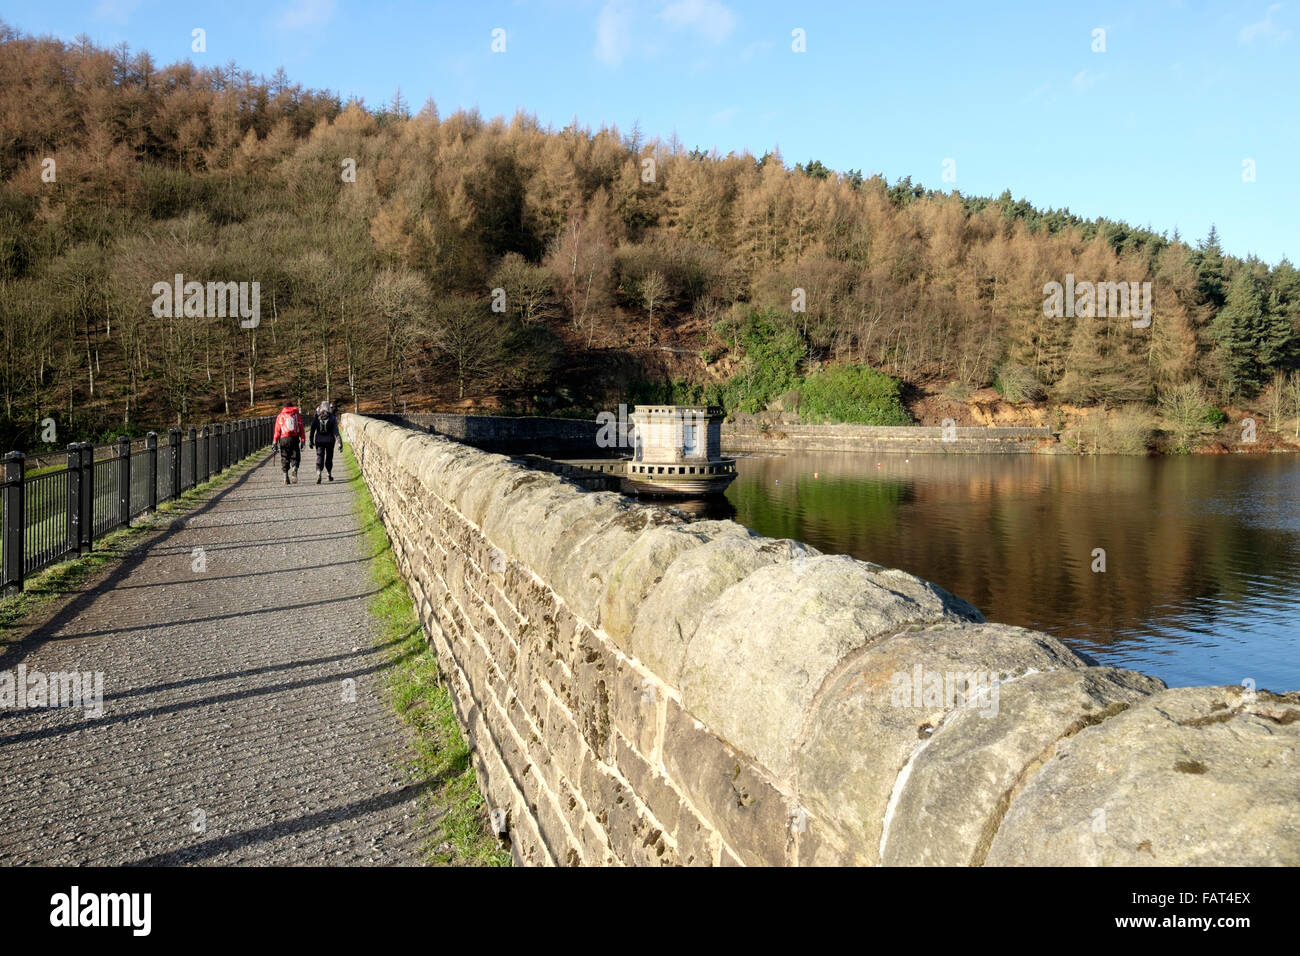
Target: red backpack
289 424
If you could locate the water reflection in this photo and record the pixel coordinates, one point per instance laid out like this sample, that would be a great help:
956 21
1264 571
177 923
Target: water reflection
1202 554
713 508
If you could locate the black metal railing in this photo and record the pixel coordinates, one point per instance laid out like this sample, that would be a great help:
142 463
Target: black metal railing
49 513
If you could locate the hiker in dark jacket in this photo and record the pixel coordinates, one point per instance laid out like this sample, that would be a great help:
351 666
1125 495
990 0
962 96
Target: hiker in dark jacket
324 433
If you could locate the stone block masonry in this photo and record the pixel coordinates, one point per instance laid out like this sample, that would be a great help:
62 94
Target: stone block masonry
888 439
642 689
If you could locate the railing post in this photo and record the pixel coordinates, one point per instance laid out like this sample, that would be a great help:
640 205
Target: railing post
124 480
216 432
86 453
14 522
74 498
194 458
173 463
151 463
206 434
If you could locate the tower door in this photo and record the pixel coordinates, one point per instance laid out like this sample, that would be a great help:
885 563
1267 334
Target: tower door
690 441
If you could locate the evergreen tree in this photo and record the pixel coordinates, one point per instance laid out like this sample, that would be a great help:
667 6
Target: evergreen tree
1247 335
1284 306
1211 285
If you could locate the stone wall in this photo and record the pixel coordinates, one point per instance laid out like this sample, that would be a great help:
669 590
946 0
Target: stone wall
577 438
909 439
640 689
503 433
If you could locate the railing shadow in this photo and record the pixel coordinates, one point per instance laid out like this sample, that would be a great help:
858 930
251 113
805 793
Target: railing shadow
42 733
18 650
233 675
303 824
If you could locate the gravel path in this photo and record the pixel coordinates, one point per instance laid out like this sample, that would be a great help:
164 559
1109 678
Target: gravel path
227 735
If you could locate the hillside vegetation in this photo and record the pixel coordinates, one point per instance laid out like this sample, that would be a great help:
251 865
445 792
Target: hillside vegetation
425 261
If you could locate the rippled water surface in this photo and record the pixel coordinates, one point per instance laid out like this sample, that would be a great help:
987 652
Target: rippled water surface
1202 579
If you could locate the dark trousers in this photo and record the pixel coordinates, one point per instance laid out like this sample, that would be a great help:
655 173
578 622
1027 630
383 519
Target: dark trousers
325 457
290 453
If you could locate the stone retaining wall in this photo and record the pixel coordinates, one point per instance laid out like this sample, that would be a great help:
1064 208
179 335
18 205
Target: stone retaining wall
910 439
501 432
641 689
577 438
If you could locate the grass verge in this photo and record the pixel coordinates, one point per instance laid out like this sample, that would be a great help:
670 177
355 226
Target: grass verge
66 576
452 809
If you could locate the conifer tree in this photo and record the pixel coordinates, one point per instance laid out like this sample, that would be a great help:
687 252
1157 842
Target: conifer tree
1247 336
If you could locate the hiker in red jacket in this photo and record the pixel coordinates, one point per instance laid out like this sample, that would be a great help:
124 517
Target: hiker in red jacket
289 438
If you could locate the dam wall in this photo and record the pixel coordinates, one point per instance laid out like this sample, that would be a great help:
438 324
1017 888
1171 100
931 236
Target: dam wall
902 439
638 689
503 433
571 437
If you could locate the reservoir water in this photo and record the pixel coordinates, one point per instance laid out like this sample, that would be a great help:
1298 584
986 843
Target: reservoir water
1201 554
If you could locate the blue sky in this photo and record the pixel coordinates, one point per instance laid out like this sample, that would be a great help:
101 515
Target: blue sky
1154 130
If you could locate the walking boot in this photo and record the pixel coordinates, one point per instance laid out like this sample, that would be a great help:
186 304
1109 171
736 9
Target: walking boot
331 476
295 475
318 474
286 477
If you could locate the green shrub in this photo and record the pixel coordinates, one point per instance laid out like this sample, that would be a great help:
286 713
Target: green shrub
676 392
770 352
855 394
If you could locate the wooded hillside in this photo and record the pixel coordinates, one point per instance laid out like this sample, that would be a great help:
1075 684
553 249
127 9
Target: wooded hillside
624 266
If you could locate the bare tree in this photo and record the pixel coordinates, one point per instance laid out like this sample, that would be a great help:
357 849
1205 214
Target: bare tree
1293 398
651 290
471 338
581 259
529 289
398 297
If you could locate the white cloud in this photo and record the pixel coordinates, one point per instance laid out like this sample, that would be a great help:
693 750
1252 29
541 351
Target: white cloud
115 11
753 49
613 29
1083 80
305 14
710 18
625 29
1265 29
